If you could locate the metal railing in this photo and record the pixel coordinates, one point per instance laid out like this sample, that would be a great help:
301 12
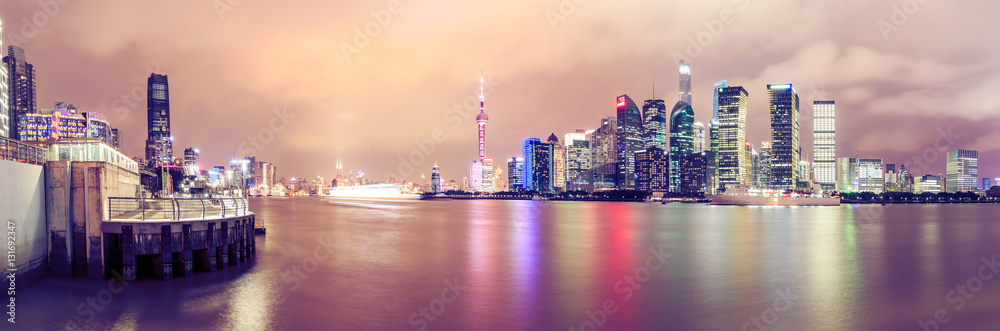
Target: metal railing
121 209
13 150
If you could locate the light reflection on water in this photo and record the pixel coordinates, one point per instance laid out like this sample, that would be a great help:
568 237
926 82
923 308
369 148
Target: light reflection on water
546 265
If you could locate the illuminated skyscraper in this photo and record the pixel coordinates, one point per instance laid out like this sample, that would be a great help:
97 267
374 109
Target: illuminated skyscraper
733 159
654 124
762 174
558 163
652 170
685 83
537 165
824 144
715 100
577 154
699 136
963 169
681 140
871 176
784 104
436 179
159 144
515 174
489 176
21 96
192 156
628 141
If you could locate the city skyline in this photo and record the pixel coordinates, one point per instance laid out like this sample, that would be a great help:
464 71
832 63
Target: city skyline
533 98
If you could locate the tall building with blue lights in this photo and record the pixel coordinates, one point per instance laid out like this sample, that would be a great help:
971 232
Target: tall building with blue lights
628 140
681 140
538 170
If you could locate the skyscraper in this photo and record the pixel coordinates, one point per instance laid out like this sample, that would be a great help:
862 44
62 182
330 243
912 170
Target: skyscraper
159 144
654 115
762 176
694 180
681 140
652 170
847 174
699 136
558 163
515 174
685 83
488 176
963 170
436 179
871 176
5 118
577 154
784 104
191 156
537 165
628 141
714 141
733 159
715 100
21 96
824 144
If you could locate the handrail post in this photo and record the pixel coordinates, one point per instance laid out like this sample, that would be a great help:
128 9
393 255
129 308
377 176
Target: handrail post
142 203
202 208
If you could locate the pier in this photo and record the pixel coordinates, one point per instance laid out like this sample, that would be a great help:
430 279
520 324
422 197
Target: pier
176 237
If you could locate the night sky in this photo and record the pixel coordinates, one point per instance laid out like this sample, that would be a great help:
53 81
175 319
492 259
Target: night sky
297 75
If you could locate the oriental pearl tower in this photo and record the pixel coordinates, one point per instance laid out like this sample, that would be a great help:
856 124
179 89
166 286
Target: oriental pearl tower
482 119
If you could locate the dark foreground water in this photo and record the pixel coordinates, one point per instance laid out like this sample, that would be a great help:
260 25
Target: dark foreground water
524 265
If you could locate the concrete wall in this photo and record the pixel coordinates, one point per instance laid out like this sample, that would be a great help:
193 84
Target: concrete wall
22 202
77 204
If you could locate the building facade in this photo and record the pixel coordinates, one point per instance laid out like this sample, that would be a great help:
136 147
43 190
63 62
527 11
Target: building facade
577 155
159 143
963 171
515 174
652 170
628 141
784 106
871 176
21 97
654 114
732 158
537 165
558 163
681 140
825 143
